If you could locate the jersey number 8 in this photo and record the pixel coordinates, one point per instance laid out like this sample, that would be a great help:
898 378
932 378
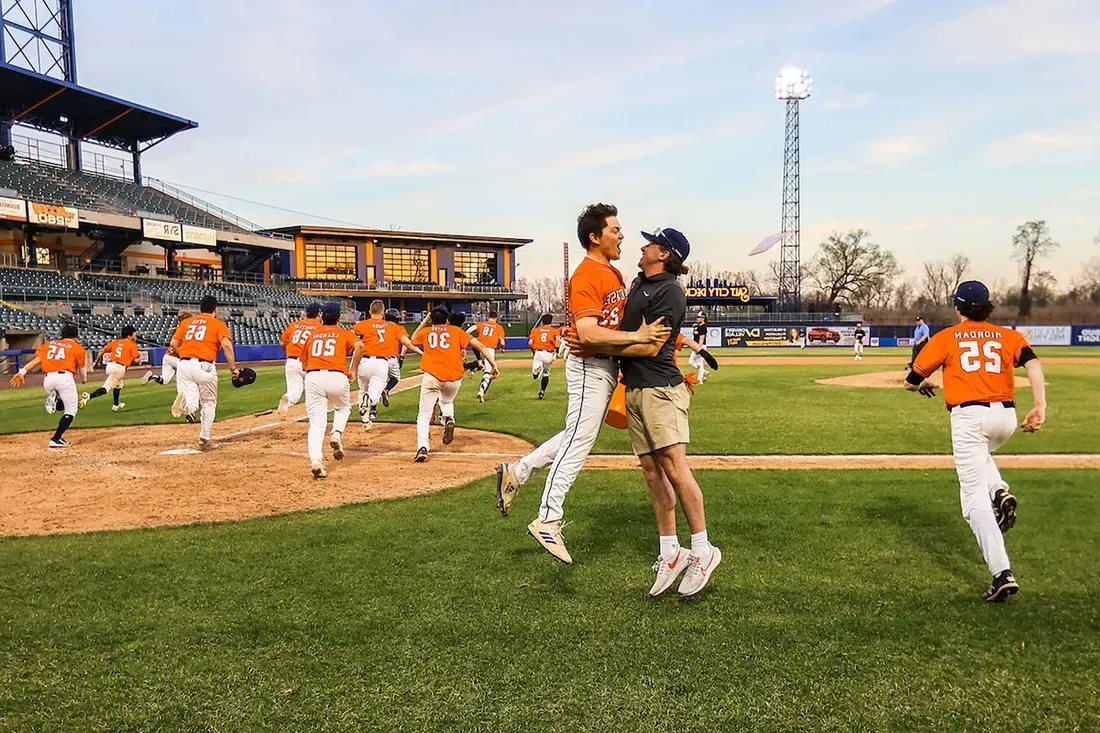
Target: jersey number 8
323 347
970 359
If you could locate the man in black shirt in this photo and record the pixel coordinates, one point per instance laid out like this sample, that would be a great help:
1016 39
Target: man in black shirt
699 334
859 337
657 414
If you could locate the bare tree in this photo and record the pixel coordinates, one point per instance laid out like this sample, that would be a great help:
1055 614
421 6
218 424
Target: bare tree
957 267
544 294
904 291
935 282
848 267
1030 244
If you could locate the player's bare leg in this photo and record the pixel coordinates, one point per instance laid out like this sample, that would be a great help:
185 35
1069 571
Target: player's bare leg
705 557
672 559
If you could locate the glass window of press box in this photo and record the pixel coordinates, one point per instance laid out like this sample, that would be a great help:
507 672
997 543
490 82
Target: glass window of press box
406 264
475 268
331 262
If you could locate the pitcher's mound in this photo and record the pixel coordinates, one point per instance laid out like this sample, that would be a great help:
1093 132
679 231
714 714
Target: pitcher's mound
894 379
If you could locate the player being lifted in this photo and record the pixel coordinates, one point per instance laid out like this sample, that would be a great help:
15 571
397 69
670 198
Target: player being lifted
491 335
293 339
543 342
382 341
169 362
61 360
328 383
120 354
979 388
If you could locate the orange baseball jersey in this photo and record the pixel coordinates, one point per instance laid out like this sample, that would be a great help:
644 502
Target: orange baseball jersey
62 355
491 335
977 360
122 351
544 338
295 336
328 348
200 337
597 290
443 345
380 337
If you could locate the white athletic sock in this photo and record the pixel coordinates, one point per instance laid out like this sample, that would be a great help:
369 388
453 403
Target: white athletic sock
669 545
700 545
990 539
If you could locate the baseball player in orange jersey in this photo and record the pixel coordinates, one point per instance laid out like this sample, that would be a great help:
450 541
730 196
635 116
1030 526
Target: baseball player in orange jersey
491 335
120 354
169 362
596 297
382 340
294 339
197 341
543 342
328 384
442 366
979 388
61 360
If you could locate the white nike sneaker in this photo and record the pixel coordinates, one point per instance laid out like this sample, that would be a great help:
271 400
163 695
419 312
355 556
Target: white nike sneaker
51 403
59 443
337 446
177 406
284 406
698 574
548 534
668 569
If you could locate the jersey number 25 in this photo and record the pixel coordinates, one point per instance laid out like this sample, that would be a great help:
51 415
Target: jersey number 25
971 357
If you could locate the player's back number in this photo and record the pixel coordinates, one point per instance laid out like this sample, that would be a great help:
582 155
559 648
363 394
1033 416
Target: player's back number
195 332
323 347
972 352
438 340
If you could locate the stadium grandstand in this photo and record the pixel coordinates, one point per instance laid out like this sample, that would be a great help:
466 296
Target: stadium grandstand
86 238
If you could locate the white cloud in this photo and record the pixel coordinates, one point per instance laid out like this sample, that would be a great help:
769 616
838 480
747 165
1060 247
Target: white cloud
625 151
852 101
1022 28
1074 142
394 169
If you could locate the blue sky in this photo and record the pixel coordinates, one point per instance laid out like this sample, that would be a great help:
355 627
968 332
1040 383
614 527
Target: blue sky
937 125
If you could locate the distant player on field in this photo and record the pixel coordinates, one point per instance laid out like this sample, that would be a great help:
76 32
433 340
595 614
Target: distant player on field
328 382
979 388
381 342
293 339
491 335
699 334
170 362
197 341
61 360
120 354
857 344
543 342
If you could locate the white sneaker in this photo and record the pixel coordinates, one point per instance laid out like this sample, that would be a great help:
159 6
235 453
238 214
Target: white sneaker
51 403
668 569
284 407
318 471
368 420
481 397
507 486
448 430
147 377
84 397
548 534
59 443
119 406
698 575
177 406
337 446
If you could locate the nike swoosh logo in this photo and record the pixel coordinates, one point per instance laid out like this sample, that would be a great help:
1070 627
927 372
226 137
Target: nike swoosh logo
645 293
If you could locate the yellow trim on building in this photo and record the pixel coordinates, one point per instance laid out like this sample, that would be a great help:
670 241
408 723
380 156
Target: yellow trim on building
507 268
299 256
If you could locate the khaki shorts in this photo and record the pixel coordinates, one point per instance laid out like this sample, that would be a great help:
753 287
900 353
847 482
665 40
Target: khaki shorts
657 417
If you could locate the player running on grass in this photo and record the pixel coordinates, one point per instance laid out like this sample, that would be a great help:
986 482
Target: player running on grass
169 362
381 342
120 354
197 341
491 335
543 342
328 384
293 339
979 388
61 360
596 297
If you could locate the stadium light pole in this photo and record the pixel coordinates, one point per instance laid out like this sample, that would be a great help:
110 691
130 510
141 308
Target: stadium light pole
792 85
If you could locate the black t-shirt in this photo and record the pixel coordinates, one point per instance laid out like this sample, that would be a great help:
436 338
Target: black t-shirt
699 333
651 298
860 334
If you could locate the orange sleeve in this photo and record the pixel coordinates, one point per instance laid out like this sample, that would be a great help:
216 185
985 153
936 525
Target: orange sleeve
585 299
418 337
305 351
134 354
1019 343
178 335
933 355
679 342
79 357
464 338
223 332
349 342
40 353
396 331
285 338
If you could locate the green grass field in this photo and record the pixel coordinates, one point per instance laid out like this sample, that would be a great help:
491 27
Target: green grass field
846 599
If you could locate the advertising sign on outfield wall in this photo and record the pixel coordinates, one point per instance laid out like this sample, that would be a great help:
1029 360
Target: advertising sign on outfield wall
1086 335
54 216
168 231
13 209
1047 335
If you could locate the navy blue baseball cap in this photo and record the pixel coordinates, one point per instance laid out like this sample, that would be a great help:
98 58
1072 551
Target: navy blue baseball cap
670 239
313 309
971 292
330 310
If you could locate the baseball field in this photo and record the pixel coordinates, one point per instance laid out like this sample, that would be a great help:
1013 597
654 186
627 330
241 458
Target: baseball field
227 590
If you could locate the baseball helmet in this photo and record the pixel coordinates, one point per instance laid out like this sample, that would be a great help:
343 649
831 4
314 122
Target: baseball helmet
393 315
244 376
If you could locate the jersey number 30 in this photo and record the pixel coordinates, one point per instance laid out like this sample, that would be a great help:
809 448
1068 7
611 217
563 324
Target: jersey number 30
971 357
438 340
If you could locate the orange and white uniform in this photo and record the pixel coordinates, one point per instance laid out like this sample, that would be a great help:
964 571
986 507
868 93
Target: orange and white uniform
328 385
544 341
596 291
442 366
60 361
121 353
200 338
294 339
381 342
978 360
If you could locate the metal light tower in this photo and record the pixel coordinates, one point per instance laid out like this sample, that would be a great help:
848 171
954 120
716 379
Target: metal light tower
792 85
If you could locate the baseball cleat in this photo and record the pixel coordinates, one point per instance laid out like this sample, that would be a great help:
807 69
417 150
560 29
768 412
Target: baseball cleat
421 455
177 406
448 430
507 486
548 534
84 397
364 403
284 406
1004 508
59 443
541 395
668 569
191 418
385 398
51 403
205 444
535 375
1003 586
337 446
481 397
318 471
368 420
147 377
119 406
698 574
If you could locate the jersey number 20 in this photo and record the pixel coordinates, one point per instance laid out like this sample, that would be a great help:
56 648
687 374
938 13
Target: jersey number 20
971 357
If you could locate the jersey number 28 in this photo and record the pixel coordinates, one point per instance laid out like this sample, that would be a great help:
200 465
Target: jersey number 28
195 332
971 357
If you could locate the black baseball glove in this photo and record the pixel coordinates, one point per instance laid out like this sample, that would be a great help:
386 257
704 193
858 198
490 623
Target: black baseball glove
710 360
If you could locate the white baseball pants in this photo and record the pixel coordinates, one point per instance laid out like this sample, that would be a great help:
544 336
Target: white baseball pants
589 384
197 381
116 373
373 373
696 362
295 380
395 368
431 391
976 432
541 363
168 367
324 391
858 348
61 386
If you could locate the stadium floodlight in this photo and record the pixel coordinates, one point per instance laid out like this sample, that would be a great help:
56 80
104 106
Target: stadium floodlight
793 83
